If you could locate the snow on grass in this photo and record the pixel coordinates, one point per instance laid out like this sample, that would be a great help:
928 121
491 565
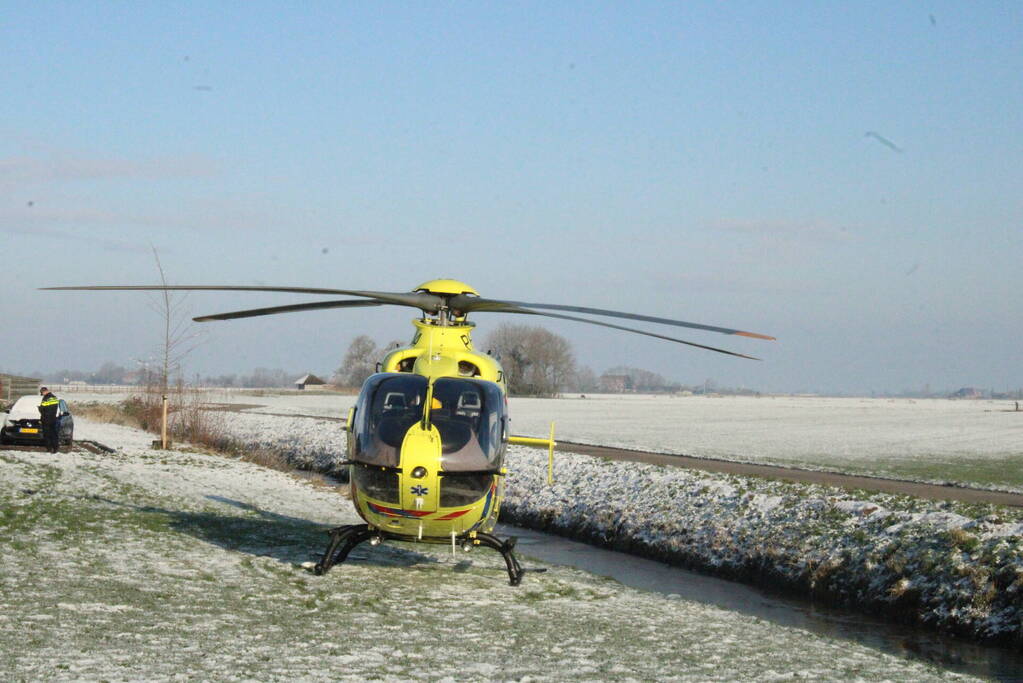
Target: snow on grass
952 565
145 564
268 400
955 566
978 443
970 442
307 443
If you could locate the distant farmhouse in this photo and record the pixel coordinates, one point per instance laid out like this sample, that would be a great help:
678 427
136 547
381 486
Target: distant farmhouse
309 381
13 387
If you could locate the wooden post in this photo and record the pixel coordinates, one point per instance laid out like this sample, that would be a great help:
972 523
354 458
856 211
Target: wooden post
163 425
550 458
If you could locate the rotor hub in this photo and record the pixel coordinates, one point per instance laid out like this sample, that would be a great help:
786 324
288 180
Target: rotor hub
445 287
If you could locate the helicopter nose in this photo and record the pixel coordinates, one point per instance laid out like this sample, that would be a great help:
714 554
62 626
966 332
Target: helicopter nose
420 456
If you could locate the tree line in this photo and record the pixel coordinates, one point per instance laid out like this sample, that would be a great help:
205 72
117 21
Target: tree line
536 362
148 375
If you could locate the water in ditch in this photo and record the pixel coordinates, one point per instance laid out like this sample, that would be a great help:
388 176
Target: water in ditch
995 662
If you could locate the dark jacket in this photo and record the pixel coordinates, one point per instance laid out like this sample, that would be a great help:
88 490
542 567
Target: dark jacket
48 407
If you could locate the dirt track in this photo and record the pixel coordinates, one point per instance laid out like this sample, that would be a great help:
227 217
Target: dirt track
79 445
910 488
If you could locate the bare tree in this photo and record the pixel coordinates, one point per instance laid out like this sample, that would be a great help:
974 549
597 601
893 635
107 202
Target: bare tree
178 342
639 379
178 338
536 362
508 342
109 373
584 379
359 362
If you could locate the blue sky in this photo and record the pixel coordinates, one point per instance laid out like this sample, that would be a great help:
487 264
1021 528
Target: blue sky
843 176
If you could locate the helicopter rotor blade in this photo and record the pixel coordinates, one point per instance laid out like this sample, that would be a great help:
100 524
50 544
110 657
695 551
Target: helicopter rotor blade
424 301
470 303
273 310
526 311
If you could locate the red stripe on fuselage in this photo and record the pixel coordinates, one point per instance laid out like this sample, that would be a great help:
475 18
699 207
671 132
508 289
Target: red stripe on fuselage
396 512
453 515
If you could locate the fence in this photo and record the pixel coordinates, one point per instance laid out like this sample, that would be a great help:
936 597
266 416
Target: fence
91 388
13 387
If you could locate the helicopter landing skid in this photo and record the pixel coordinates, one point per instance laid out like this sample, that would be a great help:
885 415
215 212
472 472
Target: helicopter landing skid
344 538
515 570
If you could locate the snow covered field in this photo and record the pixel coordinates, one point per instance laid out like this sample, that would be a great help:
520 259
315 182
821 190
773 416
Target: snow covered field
931 440
156 565
954 566
974 442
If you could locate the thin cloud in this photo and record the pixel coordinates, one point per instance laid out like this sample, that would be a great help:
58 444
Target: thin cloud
34 216
787 231
28 169
238 215
80 238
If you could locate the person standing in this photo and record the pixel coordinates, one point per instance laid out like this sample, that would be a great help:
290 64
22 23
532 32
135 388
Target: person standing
48 417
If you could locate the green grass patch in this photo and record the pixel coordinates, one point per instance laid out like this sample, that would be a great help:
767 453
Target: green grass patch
1003 472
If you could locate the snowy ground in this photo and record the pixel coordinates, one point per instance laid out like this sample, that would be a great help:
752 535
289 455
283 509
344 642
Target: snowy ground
979 442
156 565
936 440
954 566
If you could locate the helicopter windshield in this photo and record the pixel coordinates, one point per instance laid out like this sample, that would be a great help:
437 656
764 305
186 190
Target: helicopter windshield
388 405
470 417
468 414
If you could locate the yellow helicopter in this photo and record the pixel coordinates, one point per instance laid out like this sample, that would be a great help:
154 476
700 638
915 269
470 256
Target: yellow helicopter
428 433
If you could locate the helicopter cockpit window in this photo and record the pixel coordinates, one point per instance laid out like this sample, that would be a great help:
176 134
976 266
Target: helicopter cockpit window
377 482
470 419
388 405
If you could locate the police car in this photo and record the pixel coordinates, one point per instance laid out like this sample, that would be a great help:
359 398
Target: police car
21 423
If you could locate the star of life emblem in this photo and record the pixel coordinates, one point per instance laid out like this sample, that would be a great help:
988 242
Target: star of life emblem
420 490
